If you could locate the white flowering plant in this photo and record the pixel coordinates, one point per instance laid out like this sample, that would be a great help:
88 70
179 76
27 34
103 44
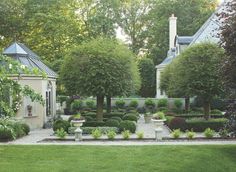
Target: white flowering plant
11 92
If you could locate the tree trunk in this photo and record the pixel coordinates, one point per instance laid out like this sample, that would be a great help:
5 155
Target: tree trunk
100 100
187 104
108 104
207 108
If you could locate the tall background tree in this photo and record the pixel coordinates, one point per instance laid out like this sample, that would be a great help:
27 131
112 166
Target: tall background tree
11 21
148 78
228 41
191 15
100 67
99 18
134 21
196 73
48 27
52 27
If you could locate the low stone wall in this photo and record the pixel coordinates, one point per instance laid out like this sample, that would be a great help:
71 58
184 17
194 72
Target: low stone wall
141 102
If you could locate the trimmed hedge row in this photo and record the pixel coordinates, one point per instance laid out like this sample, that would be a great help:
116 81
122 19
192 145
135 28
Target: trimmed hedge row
94 124
200 125
120 120
112 114
195 124
88 130
199 116
123 125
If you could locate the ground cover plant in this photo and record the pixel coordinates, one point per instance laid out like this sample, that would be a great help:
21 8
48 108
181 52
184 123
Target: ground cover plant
118 158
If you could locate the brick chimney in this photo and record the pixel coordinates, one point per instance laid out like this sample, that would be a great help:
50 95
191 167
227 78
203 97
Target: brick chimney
172 30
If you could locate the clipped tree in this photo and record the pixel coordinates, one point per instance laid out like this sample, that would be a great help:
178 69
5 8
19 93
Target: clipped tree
196 73
170 83
148 80
100 67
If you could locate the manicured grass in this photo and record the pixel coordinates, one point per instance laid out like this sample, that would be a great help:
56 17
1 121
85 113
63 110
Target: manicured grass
118 158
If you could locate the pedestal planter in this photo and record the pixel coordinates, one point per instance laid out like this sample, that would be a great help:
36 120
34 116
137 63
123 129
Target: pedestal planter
159 123
78 131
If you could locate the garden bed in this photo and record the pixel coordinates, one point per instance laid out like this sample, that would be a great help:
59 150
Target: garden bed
165 139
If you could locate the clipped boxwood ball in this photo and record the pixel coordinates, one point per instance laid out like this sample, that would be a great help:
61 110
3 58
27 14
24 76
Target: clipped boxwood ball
128 125
112 123
130 117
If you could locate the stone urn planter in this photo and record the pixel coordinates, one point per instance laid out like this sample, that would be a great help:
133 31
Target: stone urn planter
147 117
78 121
158 119
159 123
29 109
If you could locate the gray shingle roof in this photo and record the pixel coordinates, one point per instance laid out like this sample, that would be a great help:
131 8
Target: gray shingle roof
28 58
184 39
170 56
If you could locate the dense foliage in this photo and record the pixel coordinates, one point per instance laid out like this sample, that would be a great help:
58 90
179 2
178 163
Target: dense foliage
11 129
100 67
195 73
52 27
148 79
11 89
196 124
228 37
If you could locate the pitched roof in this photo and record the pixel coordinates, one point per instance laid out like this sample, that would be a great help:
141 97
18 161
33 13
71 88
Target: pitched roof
184 39
28 58
14 49
170 56
210 30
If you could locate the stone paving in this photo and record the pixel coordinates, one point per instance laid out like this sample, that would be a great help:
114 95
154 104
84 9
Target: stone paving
148 129
36 136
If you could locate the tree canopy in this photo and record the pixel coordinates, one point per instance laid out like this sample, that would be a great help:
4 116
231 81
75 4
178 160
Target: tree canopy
228 38
195 73
191 15
100 67
50 27
148 78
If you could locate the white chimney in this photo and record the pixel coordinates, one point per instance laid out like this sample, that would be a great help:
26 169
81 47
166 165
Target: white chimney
172 31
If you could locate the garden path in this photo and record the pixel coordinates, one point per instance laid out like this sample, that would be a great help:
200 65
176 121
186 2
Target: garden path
149 129
37 135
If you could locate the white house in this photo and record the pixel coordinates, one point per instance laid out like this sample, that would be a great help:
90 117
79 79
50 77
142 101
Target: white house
38 115
209 31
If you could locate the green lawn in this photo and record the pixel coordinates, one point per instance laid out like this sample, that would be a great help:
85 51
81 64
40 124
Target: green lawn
118 158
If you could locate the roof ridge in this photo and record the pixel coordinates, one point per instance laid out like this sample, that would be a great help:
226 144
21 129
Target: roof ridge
207 22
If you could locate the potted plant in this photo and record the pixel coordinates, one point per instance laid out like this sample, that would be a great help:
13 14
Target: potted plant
147 117
159 119
29 109
78 120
